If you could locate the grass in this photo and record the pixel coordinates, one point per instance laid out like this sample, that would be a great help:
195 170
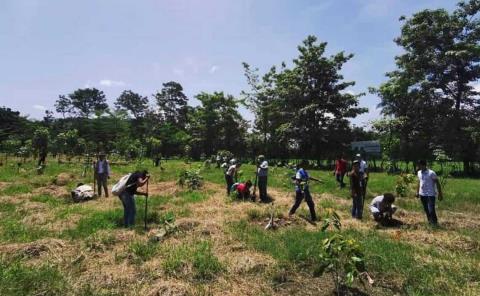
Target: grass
94 222
15 189
48 199
17 279
143 251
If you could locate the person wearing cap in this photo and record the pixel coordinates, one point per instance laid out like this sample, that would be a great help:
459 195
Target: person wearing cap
356 191
302 190
262 173
230 175
102 173
363 171
427 181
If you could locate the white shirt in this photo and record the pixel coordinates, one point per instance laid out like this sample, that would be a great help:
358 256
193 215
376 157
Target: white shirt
231 170
263 169
101 165
363 166
427 180
375 204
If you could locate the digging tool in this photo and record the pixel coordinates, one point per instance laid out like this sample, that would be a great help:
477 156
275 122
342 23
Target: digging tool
94 178
254 197
146 206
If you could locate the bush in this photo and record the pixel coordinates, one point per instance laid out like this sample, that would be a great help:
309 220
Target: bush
190 178
403 184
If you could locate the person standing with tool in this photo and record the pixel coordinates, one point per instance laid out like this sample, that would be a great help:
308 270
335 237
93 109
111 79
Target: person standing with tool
136 180
302 190
262 174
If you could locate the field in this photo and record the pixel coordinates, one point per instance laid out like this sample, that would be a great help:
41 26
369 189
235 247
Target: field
215 246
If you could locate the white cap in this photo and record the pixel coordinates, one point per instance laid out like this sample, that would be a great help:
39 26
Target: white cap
358 155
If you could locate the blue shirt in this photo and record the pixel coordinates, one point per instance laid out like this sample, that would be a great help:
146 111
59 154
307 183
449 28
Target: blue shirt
303 176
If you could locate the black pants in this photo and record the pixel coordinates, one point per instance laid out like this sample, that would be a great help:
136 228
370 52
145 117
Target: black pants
262 187
308 198
102 182
339 177
229 180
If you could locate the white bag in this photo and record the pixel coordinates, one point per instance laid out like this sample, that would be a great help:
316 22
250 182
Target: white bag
121 185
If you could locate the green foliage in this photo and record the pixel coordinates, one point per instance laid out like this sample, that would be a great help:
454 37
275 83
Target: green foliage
17 188
190 178
341 256
17 279
143 250
95 221
48 199
403 186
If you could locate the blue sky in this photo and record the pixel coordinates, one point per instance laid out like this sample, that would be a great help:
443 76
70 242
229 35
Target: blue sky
52 47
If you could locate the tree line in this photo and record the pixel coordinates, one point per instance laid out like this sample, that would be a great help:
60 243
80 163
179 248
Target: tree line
302 109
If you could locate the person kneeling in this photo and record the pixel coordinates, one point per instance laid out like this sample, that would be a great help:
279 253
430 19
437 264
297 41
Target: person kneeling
243 190
382 207
82 193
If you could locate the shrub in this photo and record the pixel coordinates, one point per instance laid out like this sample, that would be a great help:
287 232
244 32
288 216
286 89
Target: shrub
403 184
190 178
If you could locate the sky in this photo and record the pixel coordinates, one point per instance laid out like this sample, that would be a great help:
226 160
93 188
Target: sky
52 47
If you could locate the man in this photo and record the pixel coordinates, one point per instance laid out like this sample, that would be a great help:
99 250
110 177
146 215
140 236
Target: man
102 173
230 175
427 180
136 180
302 190
363 170
356 191
262 174
382 207
340 170
243 189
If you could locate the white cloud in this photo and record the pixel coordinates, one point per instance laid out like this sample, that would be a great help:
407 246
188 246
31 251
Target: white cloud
111 83
39 107
213 69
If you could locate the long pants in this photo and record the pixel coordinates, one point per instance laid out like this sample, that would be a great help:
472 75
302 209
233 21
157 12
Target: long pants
262 187
357 206
339 177
102 182
129 209
364 184
229 180
299 196
428 203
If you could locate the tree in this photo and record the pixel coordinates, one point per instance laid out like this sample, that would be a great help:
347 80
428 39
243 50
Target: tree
172 103
308 102
132 102
83 102
434 78
40 140
11 123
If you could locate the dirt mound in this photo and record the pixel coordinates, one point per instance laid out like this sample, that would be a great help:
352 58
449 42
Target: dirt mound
35 249
63 178
52 190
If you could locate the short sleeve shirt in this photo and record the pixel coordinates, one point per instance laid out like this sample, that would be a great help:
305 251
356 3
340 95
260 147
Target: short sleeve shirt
363 166
303 176
231 170
263 169
427 182
375 204
241 187
132 183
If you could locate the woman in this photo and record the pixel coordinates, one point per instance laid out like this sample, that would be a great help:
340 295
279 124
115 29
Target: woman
136 180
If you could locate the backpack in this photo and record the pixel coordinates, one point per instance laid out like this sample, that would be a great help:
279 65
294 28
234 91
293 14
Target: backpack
121 185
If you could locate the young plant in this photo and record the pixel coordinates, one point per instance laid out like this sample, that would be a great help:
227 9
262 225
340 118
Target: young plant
339 255
190 178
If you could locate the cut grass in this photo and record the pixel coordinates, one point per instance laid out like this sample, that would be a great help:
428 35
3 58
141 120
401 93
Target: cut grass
48 199
14 189
143 250
95 221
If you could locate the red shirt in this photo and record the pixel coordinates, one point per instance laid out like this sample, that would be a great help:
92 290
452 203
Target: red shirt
341 166
241 188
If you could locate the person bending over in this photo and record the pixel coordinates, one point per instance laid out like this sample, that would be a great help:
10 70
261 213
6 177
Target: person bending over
382 207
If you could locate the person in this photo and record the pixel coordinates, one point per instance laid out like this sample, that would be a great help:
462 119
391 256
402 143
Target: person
302 190
356 191
340 170
218 160
262 174
136 180
243 189
363 171
102 173
427 181
82 193
382 207
230 175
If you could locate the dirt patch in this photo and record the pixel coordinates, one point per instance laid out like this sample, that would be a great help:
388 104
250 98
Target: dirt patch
167 288
62 179
163 188
35 249
52 190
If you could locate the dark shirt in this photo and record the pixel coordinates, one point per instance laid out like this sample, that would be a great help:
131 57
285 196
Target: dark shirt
355 183
132 183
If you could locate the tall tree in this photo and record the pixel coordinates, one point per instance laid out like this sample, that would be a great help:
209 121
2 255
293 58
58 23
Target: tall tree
133 103
172 103
441 61
83 102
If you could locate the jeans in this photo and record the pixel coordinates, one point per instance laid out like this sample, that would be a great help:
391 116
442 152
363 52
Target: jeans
262 187
357 206
339 177
129 209
428 203
299 195
102 182
229 180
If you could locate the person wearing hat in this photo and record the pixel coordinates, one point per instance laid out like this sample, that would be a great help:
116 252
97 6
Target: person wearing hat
302 190
363 171
231 175
102 173
262 173
356 191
